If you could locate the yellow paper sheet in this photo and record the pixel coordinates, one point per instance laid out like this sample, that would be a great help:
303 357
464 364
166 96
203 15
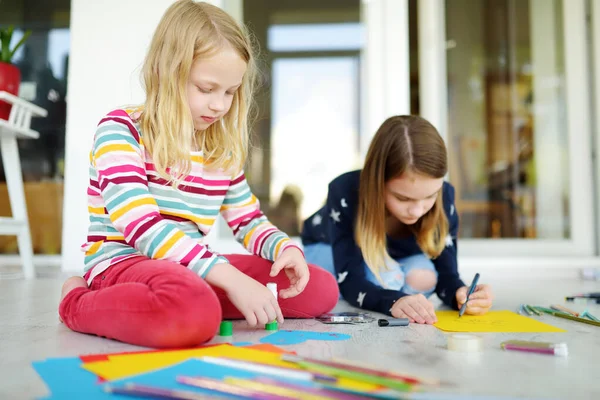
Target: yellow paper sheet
493 321
126 365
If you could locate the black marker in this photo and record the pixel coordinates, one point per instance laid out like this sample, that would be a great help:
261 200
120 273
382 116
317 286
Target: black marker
584 300
393 322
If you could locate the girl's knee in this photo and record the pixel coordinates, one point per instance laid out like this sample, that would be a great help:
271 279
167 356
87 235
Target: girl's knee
323 289
188 313
421 279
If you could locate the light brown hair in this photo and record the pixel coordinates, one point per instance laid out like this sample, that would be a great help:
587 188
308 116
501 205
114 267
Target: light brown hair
401 144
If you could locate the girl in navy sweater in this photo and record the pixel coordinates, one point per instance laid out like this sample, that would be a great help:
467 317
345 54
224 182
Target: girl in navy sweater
389 231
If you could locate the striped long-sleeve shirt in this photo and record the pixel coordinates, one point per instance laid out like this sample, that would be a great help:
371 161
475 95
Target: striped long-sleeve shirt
134 211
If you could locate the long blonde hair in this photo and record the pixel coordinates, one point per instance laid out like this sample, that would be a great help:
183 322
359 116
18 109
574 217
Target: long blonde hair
189 31
402 143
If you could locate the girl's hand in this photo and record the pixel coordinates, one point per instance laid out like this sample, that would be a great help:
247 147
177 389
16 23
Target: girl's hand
480 301
416 308
256 303
294 265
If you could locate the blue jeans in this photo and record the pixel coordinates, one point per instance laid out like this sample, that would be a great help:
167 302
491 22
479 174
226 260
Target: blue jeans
393 279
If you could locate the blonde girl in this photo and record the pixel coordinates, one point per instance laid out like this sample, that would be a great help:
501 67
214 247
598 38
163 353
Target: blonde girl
159 177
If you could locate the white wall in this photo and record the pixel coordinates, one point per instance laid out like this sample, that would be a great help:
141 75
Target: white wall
107 50
433 88
385 74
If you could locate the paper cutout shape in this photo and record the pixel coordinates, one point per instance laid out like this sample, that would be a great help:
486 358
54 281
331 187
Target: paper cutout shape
127 365
294 337
65 379
271 348
241 344
123 365
493 321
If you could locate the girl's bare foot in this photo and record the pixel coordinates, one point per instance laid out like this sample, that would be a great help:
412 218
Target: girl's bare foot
70 284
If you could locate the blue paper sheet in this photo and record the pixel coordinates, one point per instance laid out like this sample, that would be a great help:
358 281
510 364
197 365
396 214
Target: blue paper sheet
65 379
284 337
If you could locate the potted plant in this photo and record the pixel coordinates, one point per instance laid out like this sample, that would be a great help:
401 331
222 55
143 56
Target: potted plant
10 75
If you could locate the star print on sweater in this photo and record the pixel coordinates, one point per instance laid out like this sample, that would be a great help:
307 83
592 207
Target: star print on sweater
342 276
361 298
350 268
449 241
317 219
335 215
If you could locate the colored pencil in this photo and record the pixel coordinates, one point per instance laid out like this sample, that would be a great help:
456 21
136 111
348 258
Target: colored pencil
317 389
526 309
266 369
358 376
274 389
586 314
572 318
547 310
558 307
360 366
343 364
228 388
533 310
134 390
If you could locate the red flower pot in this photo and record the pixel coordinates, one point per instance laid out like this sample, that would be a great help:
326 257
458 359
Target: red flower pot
10 79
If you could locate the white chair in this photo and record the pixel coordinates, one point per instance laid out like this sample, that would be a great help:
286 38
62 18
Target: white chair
17 127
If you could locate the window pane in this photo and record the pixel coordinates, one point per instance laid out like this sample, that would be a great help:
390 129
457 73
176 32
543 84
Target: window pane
43 64
314 127
310 37
507 131
307 105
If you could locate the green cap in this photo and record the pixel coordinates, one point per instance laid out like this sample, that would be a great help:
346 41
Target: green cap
271 326
226 328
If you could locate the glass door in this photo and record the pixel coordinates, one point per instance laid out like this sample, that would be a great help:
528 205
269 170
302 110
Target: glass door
512 105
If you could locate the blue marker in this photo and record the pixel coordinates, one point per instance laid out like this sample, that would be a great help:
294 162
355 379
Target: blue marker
471 289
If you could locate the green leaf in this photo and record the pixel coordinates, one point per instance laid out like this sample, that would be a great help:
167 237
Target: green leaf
6 34
5 42
19 44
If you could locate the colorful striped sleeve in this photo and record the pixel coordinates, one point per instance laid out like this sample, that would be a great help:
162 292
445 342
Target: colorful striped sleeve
241 210
118 158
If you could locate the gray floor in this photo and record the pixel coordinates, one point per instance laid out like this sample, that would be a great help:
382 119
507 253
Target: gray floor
30 331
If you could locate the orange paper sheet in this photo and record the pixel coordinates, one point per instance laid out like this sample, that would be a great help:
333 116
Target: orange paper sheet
493 321
125 365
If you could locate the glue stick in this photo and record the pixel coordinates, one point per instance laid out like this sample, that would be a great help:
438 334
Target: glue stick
272 326
273 288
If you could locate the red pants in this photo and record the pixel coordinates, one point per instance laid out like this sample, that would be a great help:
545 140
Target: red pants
160 304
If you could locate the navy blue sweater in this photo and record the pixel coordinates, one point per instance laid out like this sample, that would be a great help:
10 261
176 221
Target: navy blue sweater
334 224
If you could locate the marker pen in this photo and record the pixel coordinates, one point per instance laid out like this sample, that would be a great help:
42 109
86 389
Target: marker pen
393 322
